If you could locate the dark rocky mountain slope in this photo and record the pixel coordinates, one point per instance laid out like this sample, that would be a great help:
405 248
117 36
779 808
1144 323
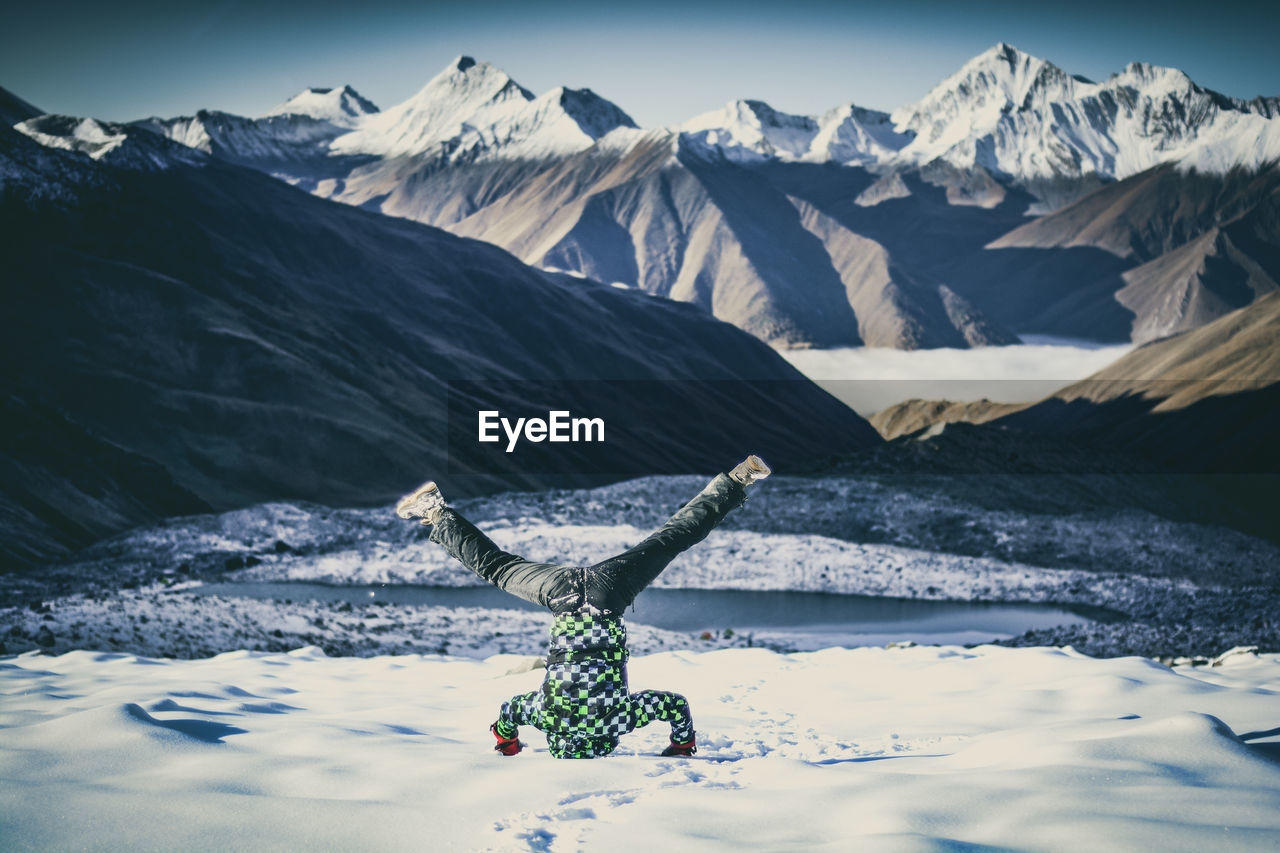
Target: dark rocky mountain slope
219 338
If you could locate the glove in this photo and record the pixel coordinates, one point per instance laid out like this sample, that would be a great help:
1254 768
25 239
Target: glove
505 745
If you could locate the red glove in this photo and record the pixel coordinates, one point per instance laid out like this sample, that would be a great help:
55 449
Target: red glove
505 745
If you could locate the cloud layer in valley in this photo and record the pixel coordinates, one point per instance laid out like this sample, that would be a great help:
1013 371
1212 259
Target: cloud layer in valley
871 378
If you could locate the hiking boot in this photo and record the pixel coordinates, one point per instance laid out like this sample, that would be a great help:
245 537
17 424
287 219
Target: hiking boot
681 750
750 470
424 503
506 745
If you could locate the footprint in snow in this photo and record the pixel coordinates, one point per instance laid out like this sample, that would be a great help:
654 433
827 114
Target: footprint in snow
532 827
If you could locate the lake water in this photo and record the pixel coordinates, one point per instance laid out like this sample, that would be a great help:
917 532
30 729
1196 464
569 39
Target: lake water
802 620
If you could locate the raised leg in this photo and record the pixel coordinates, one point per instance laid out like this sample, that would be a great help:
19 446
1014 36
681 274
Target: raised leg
551 585
614 583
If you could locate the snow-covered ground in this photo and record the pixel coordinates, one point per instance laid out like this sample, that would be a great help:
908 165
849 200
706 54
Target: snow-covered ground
869 379
924 748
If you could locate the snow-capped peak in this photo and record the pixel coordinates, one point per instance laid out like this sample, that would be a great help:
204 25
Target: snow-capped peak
853 135
465 85
751 129
1144 74
1022 118
465 93
472 109
126 146
747 130
995 82
1001 55
343 107
1006 114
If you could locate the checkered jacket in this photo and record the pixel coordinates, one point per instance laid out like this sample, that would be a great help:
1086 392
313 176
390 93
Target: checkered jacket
584 694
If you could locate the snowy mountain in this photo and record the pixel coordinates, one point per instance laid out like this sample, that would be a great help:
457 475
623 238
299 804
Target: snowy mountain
1021 119
469 112
1026 120
117 144
471 117
472 109
343 107
753 131
746 128
906 230
291 146
30 170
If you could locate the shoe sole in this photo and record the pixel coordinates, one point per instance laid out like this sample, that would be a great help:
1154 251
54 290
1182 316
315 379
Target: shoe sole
402 508
759 470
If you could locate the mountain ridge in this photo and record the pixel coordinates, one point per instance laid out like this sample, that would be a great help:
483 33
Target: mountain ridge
706 211
1000 95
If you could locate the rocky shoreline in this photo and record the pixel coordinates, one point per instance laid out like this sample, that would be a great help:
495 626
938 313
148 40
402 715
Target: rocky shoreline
1199 625
168 623
1163 624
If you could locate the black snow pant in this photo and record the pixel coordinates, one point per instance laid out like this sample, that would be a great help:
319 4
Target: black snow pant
610 585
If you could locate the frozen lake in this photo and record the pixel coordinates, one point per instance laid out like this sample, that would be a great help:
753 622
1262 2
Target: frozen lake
802 619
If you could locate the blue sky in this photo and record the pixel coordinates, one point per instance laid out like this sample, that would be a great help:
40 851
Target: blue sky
660 61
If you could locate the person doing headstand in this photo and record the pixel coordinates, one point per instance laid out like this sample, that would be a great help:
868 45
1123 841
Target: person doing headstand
584 705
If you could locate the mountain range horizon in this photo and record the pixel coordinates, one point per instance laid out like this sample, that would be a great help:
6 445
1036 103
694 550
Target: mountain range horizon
314 101
1012 199
468 59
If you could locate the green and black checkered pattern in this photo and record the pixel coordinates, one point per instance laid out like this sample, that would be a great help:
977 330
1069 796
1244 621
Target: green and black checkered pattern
583 706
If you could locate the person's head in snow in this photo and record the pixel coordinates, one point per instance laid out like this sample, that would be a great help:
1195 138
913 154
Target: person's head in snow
584 705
